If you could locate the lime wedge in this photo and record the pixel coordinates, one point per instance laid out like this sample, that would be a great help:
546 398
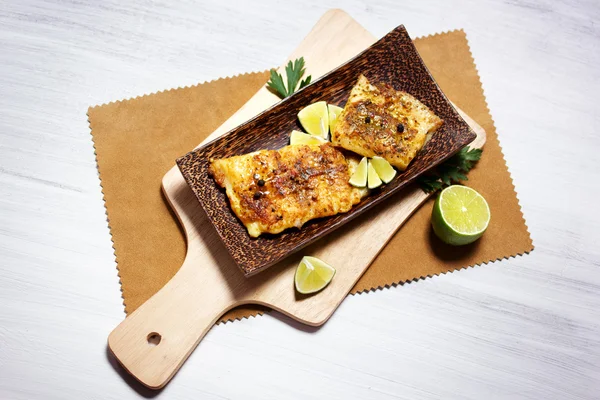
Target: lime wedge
383 168
312 275
359 177
334 113
460 215
315 120
297 137
373 180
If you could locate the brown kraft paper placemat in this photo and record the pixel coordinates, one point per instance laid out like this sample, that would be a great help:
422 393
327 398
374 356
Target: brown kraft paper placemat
137 141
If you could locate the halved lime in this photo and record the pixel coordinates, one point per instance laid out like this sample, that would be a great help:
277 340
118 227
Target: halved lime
312 275
359 177
383 168
297 137
373 179
315 119
460 215
334 113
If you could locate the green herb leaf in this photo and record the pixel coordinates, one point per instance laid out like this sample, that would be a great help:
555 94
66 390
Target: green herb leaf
294 72
305 82
276 84
454 170
430 183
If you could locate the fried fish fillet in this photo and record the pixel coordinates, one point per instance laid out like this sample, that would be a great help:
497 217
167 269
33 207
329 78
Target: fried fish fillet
272 190
381 121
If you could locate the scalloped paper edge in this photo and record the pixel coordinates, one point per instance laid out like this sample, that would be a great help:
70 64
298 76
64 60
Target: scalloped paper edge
373 289
133 99
485 262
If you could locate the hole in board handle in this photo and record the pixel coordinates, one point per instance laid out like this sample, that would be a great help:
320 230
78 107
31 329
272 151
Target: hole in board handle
153 338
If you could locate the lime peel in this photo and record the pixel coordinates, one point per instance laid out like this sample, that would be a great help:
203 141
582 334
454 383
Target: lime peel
312 275
359 177
373 180
334 113
297 137
460 215
314 119
384 169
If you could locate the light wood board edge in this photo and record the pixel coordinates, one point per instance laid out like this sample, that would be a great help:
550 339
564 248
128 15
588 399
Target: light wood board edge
185 309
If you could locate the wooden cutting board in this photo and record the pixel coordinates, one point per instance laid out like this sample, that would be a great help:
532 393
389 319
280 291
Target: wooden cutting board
153 342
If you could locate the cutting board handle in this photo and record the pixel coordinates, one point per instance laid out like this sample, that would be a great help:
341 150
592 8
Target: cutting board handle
153 342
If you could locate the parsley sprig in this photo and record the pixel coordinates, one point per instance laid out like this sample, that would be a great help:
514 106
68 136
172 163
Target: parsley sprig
294 72
454 170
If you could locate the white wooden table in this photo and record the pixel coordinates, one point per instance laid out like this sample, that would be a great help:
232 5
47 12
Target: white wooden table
526 328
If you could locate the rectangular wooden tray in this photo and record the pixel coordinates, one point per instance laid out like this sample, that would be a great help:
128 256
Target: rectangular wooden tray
392 60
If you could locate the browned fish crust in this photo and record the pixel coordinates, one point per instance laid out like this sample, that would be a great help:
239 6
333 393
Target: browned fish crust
272 190
381 121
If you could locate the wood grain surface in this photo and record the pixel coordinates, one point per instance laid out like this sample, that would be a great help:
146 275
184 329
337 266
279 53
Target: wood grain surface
399 64
209 284
525 328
